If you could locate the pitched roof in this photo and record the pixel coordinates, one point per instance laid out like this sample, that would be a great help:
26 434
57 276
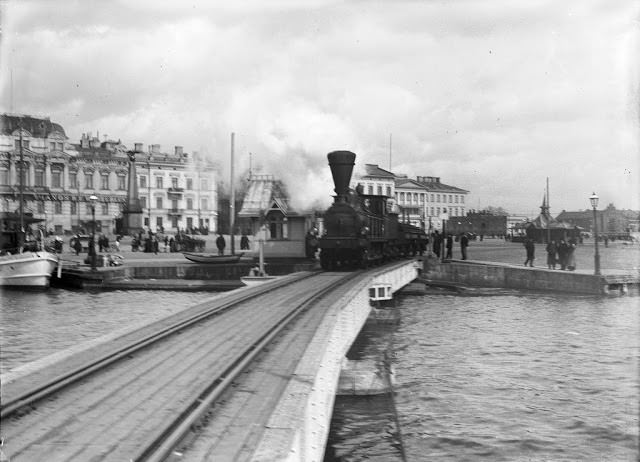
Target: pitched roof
264 194
408 183
374 170
38 127
437 186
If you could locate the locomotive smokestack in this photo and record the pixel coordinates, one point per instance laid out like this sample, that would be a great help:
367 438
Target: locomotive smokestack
341 163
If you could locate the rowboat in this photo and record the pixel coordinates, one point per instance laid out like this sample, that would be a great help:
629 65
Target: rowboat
210 258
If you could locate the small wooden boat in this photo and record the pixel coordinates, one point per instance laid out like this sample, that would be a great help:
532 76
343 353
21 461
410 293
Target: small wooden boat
255 280
210 258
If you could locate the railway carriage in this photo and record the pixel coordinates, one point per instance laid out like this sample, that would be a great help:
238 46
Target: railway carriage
363 229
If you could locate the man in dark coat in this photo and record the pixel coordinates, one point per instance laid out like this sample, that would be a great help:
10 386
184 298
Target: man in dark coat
531 249
449 246
220 243
464 243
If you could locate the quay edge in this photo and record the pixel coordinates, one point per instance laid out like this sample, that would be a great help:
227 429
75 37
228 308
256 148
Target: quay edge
502 275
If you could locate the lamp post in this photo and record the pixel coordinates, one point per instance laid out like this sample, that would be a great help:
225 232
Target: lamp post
443 238
594 204
92 243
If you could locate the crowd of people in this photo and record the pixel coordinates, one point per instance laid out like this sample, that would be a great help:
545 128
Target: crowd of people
561 253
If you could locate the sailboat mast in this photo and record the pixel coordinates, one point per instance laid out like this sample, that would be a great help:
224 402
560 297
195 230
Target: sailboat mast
21 190
232 211
549 213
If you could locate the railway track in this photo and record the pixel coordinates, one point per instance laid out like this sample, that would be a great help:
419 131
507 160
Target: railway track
140 401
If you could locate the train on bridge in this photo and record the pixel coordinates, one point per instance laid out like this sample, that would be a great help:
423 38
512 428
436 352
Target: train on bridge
363 229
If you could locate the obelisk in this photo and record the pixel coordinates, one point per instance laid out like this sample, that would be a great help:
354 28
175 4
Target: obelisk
132 211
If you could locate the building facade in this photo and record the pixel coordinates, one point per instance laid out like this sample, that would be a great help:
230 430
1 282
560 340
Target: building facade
425 202
177 190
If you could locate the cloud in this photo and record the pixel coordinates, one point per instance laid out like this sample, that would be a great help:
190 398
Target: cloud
491 97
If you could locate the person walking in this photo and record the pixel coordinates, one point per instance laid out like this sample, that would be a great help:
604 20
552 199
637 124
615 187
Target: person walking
571 255
244 242
531 250
563 253
464 243
221 244
449 246
552 250
77 245
436 243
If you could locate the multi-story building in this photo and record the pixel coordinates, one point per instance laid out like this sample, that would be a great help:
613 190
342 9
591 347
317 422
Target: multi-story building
424 202
176 190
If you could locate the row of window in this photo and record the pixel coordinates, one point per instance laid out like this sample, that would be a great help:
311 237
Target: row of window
53 145
204 203
56 180
204 183
415 198
57 206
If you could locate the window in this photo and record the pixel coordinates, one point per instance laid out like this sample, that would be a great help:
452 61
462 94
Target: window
158 202
437 197
52 145
88 180
104 181
56 179
57 208
370 189
74 208
415 198
60 146
25 144
450 198
174 182
40 207
105 209
432 214
143 181
456 198
159 182
4 176
189 204
122 182
431 197
159 222
143 202
174 222
174 204
389 191
438 210
204 203
204 184
402 198
379 190
88 208
189 222
39 178
190 183
73 180
462 199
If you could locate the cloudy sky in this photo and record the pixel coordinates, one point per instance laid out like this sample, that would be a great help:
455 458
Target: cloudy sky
491 96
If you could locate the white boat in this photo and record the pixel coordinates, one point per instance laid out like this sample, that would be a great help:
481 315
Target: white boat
27 269
23 263
258 275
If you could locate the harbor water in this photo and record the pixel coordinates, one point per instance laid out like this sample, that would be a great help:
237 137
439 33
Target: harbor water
500 377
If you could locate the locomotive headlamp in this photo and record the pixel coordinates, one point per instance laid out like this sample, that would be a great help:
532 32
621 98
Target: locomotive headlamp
364 231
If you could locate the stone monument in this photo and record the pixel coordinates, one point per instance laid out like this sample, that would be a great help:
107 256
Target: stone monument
132 211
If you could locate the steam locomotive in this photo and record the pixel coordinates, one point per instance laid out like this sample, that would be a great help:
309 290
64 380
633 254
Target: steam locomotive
363 229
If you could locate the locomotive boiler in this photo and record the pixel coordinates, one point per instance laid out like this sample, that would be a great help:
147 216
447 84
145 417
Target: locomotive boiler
363 229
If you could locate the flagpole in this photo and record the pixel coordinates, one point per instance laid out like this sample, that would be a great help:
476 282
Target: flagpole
549 213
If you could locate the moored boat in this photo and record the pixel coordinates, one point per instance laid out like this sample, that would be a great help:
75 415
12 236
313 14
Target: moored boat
211 258
27 269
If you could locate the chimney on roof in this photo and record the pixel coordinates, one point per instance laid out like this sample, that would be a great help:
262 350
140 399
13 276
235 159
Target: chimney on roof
178 151
137 147
155 148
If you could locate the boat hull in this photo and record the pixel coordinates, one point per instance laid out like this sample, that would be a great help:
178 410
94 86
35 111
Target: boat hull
255 280
27 269
211 258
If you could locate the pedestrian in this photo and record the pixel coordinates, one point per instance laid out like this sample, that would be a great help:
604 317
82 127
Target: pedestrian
464 243
166 243
552 250
531 250
244 242
220 243
77 245
117 243
449 246
154 244
563 254
571 257
436 243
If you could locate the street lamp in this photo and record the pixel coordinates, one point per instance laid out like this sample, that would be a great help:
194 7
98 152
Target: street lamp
594 204
92 244
443 238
